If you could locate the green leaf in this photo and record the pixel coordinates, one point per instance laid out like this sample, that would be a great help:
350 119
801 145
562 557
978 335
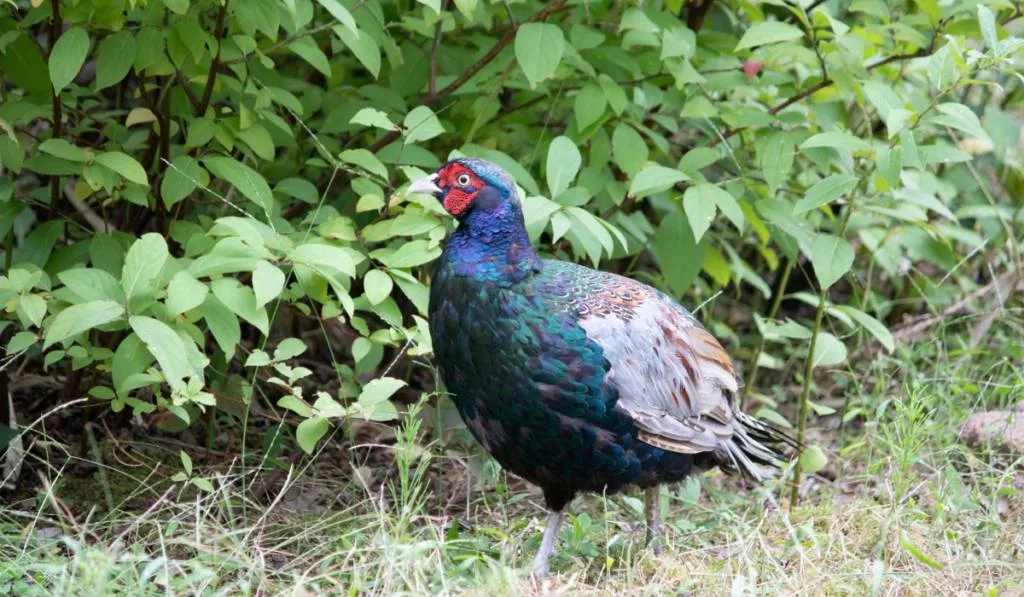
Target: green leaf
142 265
181 179
307 49
78 318
341 13
655 179
421 124
184 293
628 149
64 150
125 165
33 307
248 181
563 164
311 431
373 400
873 326
987 24
589 105
775 155
363 47
961 118
377 285
21 341
116 55
835 140
725 202
68 56
812 459
168 348
374 117
768 32
319 254
825 191
890 164
365 160
241 300
700 211
413 253
828 351
222 323
538 49
831 257
131 358
91 284
267 282
674 248
23 64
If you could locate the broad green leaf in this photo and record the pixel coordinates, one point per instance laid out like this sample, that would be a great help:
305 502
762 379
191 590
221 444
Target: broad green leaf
700 211
725 202
130 358
421 124
836 140
363 47
19 342
184 293
812 459
365 160
24 66
248 181
64 150
223 324
267 282
563 164
379 389
775 155
68 56
961 118
311 431
412 254
628 149
116 55
33 307
142 265
242 302
828 351
987 23
78 318
341 13
181 178
588 105
319 254
377 285
890 164
873 326
674 247
373 117
123 164
168 348
831 257
91 284
825 191
768 32
307 49
655 179
538 49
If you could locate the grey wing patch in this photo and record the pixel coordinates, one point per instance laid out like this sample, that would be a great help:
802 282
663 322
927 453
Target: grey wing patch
673 377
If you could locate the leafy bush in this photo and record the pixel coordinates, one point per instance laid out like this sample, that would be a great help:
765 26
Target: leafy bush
194 193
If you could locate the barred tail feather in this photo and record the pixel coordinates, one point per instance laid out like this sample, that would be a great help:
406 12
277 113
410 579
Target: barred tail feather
756 449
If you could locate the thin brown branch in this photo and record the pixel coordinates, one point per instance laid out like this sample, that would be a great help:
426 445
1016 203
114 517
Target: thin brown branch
432 79
56 24
211 78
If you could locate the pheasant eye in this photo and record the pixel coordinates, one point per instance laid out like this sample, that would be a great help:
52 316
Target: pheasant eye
463 180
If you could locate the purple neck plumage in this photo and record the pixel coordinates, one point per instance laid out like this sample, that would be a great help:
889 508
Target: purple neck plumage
492 244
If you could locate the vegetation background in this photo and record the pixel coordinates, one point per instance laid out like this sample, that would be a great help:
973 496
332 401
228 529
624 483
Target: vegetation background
217 373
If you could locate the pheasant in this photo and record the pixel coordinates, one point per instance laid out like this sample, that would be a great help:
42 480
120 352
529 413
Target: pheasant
575 379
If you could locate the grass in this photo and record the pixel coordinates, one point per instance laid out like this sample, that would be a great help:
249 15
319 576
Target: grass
912 511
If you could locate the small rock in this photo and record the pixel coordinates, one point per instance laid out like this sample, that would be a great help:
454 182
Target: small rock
1000 428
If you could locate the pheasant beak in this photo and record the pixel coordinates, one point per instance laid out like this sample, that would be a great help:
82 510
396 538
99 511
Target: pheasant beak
427 186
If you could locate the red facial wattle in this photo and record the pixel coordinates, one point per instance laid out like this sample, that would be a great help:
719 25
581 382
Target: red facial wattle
458 197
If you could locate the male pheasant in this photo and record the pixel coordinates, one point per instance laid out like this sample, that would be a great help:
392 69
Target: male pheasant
573 378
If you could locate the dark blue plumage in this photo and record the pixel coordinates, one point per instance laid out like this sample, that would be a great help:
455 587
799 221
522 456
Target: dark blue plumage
572 378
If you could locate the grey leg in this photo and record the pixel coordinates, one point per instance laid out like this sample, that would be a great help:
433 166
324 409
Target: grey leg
547 545
653 509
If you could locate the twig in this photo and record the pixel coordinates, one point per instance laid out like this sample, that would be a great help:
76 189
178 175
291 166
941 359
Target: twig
211 78
432 80
97 223
58 125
